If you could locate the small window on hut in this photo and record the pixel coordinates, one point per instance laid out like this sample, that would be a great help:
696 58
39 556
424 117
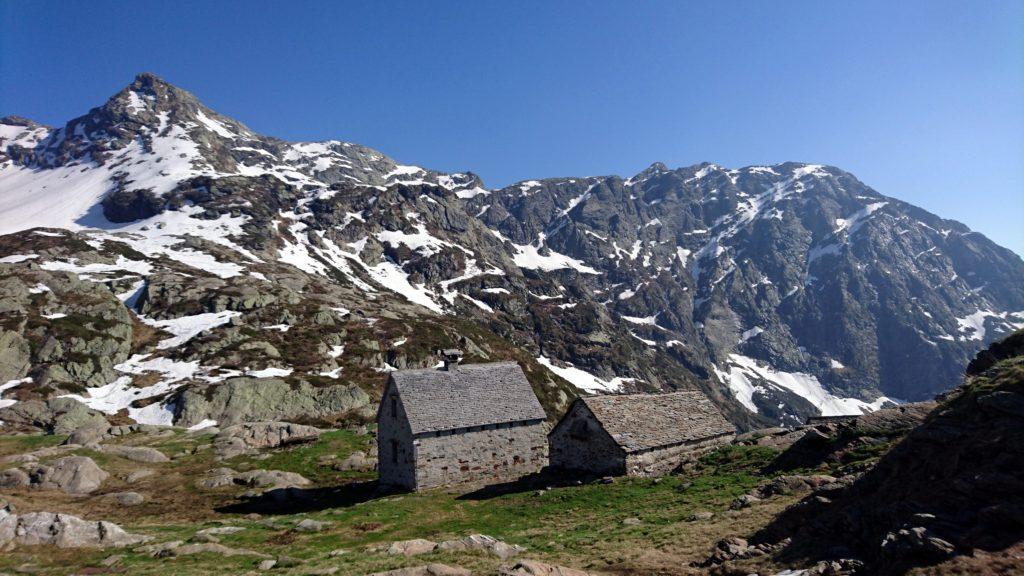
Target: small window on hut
394 407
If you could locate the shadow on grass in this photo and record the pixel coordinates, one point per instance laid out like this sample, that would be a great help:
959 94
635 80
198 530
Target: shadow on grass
298 500
546 478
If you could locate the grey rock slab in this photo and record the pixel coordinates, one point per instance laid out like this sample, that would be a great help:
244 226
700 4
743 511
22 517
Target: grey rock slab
310 525
213 548
427 570
127 498
413 547
72 474
537 568
66 531
143 454
13 478
482 543
136 475
271 479
91 433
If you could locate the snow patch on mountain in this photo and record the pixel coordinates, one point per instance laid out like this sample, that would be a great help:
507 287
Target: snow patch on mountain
584 380
188 327
529 257
746 376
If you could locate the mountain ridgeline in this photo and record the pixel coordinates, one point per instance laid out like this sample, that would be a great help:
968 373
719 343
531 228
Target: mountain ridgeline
175 253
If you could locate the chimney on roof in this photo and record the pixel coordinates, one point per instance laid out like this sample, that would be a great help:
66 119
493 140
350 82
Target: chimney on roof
451 358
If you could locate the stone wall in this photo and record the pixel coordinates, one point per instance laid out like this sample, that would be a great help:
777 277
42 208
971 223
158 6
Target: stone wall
661 461
393 433
492 453
579 443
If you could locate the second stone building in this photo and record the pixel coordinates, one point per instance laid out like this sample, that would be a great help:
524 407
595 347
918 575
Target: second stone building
636 434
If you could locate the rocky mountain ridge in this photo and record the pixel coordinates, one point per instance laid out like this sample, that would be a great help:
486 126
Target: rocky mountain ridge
172 250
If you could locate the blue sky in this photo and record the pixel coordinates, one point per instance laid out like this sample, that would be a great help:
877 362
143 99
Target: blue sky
923 101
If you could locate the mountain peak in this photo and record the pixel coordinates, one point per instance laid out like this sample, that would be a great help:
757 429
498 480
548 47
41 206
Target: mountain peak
148 80
21 121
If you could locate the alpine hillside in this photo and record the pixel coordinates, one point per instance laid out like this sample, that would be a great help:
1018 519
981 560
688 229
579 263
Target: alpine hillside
161 262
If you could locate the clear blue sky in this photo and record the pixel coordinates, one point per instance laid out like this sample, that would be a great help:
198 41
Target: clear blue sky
922 100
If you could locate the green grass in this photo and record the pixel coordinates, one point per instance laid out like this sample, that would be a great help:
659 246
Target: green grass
304 458
578 525
27 443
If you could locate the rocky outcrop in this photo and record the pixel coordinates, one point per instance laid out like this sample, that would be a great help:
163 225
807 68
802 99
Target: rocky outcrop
473 542
69 332
950 487
61 530
427 570
76 475
53 416
413 547
537 568
143 454
249 436
263 479
356 461
481 543
265 399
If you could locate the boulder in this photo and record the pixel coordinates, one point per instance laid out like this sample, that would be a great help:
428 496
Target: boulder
240 438
136 475
15 356
13 478
210 548
72 474
411 547
65 531
91 433
221 530
744 501
700 516
482 543
217 478
535 568
793 484
246 399
428 570
127 498
143 454
54 416
916 541
310 525
270 479
358 460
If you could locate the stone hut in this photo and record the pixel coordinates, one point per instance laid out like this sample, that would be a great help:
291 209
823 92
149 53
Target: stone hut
459 424
636 434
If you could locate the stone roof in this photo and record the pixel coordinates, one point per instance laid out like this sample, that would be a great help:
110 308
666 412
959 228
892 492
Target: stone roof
470 395
639 422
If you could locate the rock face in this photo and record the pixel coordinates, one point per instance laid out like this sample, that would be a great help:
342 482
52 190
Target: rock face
951 486
61 530
248 399
54 416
